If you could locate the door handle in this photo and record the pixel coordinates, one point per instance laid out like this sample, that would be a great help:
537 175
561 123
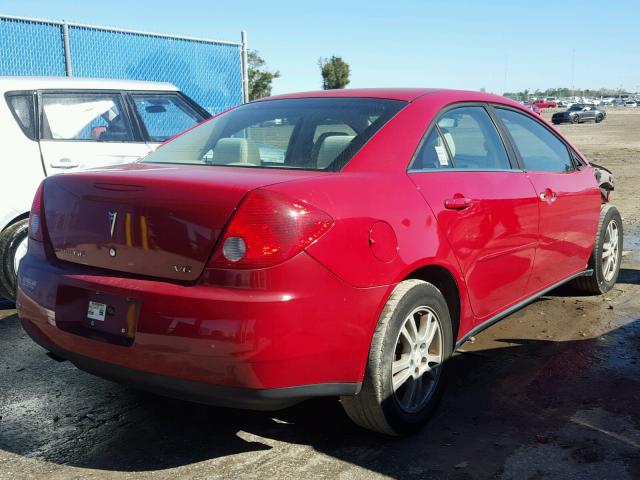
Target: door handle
458 203
64 163
548 195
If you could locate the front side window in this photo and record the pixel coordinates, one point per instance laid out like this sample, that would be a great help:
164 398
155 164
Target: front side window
80 116
165 115
23 110
466 139
302 133
539 149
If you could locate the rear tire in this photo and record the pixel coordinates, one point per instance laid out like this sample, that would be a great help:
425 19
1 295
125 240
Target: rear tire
599 118
606 256
408 362
12 249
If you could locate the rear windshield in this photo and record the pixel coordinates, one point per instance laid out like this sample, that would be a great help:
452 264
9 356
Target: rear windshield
304 133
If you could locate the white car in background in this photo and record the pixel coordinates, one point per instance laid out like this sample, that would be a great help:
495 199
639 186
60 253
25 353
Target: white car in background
55 125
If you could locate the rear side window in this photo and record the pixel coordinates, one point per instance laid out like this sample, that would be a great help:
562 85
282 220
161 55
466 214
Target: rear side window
433 154
301 133
79 116
463 138
22 107
539 149
165 115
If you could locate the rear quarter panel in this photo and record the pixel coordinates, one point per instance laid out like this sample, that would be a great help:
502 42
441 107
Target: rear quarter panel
357 201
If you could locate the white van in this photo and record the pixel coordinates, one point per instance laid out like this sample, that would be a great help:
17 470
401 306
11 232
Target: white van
55 125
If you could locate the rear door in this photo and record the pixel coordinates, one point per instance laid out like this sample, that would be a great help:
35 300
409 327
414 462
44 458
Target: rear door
568 198
86 129
486 208
163 115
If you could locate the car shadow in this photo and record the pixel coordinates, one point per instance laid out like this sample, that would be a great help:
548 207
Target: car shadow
629 276
497 400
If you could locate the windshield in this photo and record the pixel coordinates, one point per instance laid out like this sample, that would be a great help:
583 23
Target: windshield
576 107
302 133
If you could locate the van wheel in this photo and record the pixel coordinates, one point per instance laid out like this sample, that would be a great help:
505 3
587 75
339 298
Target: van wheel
408 362
606 256
13 246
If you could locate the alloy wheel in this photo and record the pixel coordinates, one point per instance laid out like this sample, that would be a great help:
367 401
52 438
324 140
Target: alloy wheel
418 359
610 250
19 254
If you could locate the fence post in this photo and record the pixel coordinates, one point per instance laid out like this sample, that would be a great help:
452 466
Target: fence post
245 68
68 68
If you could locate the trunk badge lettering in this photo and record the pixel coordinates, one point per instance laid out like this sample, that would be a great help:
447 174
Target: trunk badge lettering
182 268
112 223
112 252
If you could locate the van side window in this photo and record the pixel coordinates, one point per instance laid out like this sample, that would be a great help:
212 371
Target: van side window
22 107
79 116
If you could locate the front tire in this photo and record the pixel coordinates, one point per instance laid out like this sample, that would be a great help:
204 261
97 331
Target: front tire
575 119
13 245
606 256
408 362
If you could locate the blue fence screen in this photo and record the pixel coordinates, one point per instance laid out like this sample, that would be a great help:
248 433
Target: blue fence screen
210 72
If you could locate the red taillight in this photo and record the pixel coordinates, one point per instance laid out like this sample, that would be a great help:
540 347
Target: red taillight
267 229
35 217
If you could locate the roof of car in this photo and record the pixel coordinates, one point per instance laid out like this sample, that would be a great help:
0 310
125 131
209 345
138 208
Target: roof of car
64 83
405 94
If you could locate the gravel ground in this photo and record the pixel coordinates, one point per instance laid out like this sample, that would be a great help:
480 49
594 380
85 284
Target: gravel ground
552 392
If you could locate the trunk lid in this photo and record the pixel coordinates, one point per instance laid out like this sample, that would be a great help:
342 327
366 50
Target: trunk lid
148 219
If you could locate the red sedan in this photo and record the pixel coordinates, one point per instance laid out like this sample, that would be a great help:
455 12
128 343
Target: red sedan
545 103
338 243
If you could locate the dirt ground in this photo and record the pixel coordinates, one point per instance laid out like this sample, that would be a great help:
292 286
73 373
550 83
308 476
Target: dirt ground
552 392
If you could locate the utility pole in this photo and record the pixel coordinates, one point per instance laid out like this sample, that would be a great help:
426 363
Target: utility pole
573 66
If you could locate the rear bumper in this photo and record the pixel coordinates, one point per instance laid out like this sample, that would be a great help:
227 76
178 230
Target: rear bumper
219 395
250 339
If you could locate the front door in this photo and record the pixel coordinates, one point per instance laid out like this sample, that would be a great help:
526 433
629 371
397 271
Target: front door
163 115
568 199
81 130
487 210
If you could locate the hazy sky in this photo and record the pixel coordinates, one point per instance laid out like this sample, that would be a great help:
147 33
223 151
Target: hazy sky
497 45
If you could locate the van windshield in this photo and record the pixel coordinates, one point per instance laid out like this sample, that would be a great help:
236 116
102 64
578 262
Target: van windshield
301 133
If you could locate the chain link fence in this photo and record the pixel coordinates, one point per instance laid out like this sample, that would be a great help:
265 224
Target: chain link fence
209 71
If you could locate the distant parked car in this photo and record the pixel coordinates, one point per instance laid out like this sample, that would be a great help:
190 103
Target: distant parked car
578 113
630 103
60 125
546 103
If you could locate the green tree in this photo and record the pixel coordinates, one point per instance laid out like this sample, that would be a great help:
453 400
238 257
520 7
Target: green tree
335 72
260 78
